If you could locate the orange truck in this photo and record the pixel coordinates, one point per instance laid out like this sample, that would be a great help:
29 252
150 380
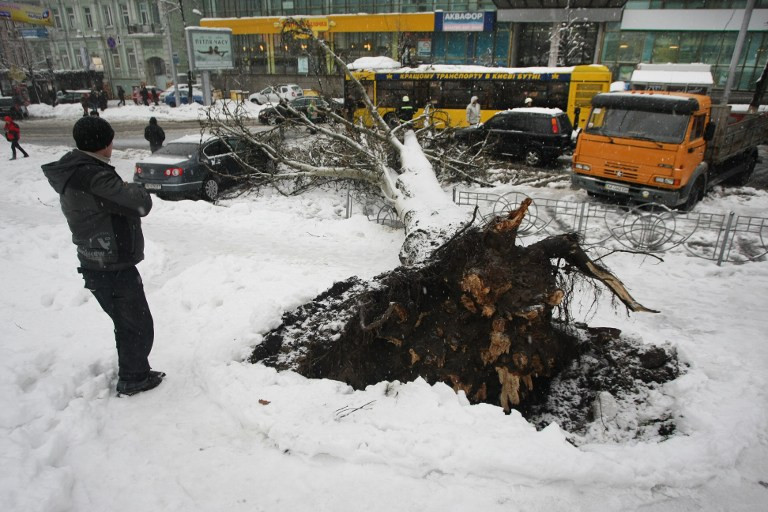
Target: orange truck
664 147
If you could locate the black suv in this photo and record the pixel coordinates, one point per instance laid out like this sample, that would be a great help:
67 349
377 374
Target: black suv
538 135
9 107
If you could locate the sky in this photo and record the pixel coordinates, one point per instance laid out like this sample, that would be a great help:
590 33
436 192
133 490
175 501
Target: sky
222 434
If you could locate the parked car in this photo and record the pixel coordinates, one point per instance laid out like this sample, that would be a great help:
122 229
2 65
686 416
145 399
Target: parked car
195 167
183 88
538 135
280 112
273 95
8 107
197 96
72 96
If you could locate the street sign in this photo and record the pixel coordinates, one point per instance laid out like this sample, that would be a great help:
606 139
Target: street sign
111 43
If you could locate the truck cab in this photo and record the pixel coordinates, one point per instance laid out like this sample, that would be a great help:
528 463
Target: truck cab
645 146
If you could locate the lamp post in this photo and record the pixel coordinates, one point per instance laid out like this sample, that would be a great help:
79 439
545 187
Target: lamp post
168 36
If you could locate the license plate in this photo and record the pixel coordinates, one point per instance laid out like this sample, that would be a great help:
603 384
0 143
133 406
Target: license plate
617 188
152 186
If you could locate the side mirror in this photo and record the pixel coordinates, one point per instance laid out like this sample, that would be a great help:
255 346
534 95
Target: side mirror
709 131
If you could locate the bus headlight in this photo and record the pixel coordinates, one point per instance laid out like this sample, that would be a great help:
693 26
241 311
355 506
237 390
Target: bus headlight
582 167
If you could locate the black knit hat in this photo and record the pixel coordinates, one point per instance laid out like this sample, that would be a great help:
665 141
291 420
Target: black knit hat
92 133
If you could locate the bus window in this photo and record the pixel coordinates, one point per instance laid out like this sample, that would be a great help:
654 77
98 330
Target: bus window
456 93
557 96
490 95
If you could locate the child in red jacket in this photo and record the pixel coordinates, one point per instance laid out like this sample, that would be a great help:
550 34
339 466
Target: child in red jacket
12 133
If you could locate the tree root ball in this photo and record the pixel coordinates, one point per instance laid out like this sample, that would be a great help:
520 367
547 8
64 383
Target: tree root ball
477 315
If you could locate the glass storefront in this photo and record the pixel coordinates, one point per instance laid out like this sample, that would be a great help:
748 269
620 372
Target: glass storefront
623 50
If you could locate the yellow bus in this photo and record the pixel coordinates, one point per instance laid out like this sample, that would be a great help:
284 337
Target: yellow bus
448 90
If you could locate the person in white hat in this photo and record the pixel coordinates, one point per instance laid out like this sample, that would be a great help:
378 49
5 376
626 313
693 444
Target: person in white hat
528 101
473 111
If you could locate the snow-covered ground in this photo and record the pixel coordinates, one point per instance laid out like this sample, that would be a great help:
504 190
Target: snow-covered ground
139 113
220 434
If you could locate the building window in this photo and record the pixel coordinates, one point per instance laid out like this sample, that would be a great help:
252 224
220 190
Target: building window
124 15
71 17
144 13
115 58
64 58
106 12
57 18
88 17
132 62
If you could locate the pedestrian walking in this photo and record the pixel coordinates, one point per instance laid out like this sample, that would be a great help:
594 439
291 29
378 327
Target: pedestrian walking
155 96
84 104
104 215
12 134
120 96
473 111
154 134
405 110
144 93
103 100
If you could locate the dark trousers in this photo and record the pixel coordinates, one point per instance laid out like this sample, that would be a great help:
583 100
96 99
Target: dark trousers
15 146
121 295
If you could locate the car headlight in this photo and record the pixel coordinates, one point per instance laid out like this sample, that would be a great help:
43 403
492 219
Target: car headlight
582 167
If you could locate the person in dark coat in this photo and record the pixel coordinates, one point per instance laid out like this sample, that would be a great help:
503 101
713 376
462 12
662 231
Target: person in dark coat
405 111
144 93
103 100
120 96
94 99
104 215
154 134
155 96
13 134
84 104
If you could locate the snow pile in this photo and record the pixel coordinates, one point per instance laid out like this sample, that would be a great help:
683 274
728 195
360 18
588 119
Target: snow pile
222 434
140 113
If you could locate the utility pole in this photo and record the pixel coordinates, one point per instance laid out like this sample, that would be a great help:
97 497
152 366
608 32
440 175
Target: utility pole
168 35
737 51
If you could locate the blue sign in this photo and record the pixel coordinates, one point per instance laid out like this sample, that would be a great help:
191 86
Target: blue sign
464 21
111 43
34 33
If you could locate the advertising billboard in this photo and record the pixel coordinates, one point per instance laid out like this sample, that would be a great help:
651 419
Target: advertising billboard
210 49
23 13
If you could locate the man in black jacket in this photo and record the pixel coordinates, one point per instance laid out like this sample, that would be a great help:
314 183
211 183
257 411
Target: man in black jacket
154 134
103 213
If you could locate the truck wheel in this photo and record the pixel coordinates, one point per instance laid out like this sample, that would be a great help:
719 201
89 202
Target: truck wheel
742 179
695 195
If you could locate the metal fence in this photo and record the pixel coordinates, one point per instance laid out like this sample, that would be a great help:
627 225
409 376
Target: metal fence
651 228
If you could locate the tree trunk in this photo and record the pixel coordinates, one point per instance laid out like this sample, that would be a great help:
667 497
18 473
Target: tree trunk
477 315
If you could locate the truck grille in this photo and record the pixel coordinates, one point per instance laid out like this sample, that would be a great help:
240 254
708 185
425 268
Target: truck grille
620 170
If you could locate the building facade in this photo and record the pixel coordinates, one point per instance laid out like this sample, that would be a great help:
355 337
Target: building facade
126 42
102 43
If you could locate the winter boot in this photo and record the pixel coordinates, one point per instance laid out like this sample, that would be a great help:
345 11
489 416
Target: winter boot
131 387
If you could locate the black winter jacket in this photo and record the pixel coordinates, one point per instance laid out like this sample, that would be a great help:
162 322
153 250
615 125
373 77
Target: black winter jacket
103 212
155 135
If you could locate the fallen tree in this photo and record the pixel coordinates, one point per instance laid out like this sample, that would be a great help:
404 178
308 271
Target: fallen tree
477 315
468 307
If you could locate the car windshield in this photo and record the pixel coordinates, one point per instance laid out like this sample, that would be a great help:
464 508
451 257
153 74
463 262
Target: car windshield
637 124
185 149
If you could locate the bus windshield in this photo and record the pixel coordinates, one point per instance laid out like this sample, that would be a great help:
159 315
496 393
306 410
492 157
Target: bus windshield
638 124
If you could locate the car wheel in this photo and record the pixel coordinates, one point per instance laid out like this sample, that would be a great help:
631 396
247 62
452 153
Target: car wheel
254 100
210 190
272 119
533 157
392 120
